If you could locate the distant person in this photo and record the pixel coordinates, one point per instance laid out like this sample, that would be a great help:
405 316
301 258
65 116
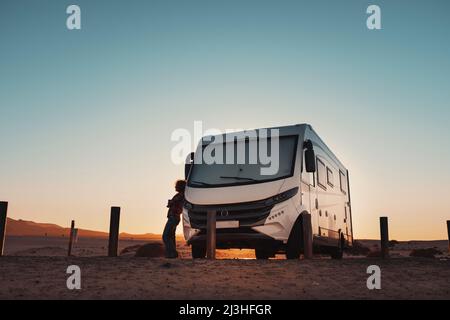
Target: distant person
175 206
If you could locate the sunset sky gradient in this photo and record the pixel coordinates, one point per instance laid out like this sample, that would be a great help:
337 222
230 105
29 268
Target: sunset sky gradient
86 116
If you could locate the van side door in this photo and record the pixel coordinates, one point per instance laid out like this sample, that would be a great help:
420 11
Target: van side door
321 196
343 180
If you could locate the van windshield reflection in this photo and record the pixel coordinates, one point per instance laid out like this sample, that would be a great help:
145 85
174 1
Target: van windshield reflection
224 174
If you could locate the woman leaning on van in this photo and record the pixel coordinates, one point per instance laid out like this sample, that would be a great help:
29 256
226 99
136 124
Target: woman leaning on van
175 206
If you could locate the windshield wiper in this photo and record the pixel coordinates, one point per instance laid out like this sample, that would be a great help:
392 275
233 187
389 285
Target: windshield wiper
238 178
201 183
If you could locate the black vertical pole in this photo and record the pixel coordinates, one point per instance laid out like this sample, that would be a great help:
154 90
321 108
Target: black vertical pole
448 233
307 236
114 232
3 212
211 235
72 227
384 237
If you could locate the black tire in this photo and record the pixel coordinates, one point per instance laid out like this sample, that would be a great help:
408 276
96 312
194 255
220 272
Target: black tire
338 252
198 251
262 254
294 245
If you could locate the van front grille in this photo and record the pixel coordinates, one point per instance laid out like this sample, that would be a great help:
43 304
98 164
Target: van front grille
247 217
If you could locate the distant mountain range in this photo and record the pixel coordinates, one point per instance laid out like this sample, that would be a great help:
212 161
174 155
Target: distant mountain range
30 228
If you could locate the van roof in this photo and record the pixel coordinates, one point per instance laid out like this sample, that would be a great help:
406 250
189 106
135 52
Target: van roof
288 130
284 130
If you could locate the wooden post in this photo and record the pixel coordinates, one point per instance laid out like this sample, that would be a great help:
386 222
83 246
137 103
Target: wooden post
114 232
75 235
3 212
307 236
211 235
384 232
448 233
72 227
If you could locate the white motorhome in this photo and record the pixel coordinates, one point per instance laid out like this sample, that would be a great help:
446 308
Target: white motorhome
263 212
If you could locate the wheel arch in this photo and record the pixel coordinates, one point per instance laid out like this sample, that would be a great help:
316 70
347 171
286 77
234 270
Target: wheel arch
298 220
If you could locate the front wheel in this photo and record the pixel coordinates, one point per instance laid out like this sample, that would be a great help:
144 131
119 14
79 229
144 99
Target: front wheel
295 241
198 251
262 254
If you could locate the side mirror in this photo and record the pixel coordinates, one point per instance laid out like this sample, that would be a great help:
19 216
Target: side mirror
188 165
310 157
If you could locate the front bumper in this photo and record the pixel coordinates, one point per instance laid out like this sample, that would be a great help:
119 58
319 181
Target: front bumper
259 221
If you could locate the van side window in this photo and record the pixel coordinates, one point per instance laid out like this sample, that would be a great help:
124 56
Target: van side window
343 180
321 174
330 178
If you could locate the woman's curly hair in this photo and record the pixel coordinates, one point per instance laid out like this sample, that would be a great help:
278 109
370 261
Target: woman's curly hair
180 185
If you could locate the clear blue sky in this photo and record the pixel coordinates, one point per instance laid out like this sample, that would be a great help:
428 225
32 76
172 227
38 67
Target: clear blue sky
86 116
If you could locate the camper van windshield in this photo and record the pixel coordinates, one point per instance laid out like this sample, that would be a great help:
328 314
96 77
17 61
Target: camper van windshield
226 174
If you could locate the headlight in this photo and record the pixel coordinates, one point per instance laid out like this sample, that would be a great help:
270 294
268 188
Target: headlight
282 196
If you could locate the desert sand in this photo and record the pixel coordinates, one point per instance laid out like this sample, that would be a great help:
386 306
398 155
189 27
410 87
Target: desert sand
35 268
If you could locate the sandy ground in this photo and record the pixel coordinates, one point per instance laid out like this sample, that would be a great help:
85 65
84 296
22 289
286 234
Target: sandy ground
92 247
30 272
158 278
51 246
